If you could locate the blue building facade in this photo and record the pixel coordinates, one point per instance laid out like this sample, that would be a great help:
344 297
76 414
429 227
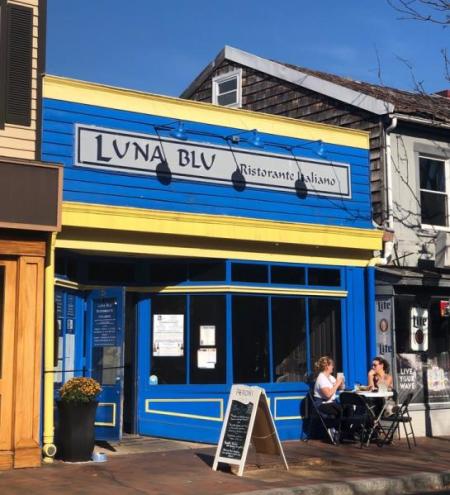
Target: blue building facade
202 247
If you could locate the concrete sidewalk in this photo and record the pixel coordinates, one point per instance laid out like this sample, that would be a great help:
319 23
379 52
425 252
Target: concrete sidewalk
165 467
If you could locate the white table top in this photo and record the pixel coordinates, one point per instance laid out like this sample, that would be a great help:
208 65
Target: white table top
375 395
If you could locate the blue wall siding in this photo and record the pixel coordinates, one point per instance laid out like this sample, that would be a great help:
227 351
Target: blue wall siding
123 189
356 332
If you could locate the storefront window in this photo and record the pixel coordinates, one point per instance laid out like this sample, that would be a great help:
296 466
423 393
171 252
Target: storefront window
274 337
287 275
423 364
208 339
289 339
250 339
325 330
324 277
168 356
207 271
438 360
168 273
254 273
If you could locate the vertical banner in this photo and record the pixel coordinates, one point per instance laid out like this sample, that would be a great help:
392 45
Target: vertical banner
419 329
383 323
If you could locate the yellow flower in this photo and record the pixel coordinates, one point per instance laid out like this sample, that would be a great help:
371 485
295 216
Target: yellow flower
80 389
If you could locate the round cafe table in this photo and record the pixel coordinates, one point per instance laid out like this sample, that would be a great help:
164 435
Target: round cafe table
377 428
375 395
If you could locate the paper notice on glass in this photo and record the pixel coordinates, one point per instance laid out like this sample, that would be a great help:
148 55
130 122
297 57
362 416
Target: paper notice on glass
206 358
59 367
168 335
207 335
69 358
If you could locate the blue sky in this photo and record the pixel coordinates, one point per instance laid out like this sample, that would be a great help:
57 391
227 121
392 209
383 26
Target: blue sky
160 46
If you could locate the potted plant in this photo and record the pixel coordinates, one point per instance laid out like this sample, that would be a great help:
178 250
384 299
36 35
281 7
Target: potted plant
77 407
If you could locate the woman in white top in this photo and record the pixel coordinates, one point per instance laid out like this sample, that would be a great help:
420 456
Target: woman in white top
326 386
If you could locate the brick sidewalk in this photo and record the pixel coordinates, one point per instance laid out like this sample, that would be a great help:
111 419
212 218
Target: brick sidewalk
188 471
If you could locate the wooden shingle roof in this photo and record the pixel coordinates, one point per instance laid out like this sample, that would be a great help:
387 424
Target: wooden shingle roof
417 104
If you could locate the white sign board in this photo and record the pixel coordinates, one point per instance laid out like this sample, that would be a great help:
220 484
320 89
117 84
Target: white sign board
168 335
207 335
206 357
419 329
248 419
133 153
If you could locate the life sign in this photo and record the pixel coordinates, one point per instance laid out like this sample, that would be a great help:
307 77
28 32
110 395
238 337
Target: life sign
110 149
419 328
248 420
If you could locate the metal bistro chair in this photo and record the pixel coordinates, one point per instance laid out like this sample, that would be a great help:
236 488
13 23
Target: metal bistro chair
400 416
357 419
314 416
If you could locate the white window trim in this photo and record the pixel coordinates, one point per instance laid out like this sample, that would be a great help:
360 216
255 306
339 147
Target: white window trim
426 226
237 73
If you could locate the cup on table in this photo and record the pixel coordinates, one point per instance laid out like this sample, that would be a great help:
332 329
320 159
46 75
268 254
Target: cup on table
382 387
357 386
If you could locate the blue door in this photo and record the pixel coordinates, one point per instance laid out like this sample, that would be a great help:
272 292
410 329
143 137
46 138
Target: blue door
104 355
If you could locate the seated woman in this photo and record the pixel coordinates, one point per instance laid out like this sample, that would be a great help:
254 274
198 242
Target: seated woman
378 376
326 386
380 379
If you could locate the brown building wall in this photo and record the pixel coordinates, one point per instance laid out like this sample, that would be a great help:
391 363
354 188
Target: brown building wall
264 93
22 285
29 209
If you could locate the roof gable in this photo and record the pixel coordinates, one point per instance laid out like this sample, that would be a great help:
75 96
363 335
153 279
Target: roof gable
373 98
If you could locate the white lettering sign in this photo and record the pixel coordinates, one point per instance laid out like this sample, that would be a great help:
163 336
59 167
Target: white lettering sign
148 154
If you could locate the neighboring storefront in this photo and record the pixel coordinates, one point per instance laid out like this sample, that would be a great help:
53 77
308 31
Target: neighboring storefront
30 199
201 247
413 333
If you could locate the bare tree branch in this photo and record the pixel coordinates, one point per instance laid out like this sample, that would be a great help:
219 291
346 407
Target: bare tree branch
435 11
446 63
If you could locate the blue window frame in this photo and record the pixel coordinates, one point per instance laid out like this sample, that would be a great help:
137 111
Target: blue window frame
268 338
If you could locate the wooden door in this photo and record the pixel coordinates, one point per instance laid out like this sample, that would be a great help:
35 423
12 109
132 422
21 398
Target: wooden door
8 276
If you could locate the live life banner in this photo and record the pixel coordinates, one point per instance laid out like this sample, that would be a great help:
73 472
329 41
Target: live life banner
110 149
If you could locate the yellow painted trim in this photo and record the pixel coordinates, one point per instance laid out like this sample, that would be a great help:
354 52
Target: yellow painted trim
49 342
217 227
240 289
114 414
68 284
83 92
184 415
376 261
200 289
285 418
175 251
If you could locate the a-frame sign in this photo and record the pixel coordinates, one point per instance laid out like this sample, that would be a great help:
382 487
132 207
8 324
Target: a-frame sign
248 419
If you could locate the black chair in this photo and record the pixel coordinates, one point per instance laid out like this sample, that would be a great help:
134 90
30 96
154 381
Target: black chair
357 418
314 416
399 416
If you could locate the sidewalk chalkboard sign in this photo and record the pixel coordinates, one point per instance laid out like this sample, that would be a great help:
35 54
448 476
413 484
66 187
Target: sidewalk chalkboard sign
248 419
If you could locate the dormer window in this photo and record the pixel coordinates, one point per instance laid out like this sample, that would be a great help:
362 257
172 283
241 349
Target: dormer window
227 89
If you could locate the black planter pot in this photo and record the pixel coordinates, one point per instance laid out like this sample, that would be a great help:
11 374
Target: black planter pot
76 431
